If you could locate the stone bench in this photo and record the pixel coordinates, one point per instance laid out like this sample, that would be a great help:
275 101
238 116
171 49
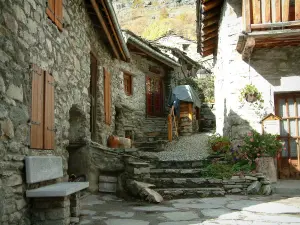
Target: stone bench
60 199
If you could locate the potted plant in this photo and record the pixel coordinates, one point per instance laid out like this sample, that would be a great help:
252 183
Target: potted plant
261 149
219 143
251 94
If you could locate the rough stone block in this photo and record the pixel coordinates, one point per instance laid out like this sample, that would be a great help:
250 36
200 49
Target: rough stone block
250 178
41 168
14 180
254 187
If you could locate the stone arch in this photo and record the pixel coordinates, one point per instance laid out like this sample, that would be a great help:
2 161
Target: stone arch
77 129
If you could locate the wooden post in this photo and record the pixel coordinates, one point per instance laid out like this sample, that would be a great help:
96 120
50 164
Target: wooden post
285 5
256 11
297 9
266 11
170 132
246 16
276 11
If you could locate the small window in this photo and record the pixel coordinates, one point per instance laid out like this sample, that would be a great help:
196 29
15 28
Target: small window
55 12
127 84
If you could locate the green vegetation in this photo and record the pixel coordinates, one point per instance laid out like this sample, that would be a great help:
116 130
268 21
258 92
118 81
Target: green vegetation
156 29
218 170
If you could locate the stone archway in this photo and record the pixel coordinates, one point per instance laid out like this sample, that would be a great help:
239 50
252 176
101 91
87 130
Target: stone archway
77 130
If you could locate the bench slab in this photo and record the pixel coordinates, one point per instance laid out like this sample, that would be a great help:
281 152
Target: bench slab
57 190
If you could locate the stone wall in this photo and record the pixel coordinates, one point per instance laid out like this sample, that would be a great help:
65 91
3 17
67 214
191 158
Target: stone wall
29 37
270 70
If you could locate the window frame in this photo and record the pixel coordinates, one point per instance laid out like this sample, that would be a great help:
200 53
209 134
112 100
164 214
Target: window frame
128 84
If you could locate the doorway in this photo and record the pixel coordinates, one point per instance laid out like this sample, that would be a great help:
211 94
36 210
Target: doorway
287 106
154 96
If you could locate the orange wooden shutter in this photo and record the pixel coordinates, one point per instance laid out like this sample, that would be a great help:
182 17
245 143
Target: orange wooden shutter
59 14
37 108
51 9
107 97
49 130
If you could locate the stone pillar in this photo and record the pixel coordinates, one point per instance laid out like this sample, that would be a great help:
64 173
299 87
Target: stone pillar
75 205
50 211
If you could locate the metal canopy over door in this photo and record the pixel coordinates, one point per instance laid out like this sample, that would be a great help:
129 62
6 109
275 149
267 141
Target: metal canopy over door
287 106
154 96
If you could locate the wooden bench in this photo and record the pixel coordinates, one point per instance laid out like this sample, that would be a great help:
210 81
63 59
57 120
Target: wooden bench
46 199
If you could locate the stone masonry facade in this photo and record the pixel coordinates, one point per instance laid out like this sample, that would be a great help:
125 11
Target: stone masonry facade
270 70
28 37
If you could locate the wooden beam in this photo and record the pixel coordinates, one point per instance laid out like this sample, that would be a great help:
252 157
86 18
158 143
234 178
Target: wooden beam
209 47
207 53
241 43
266 11
297 9
276 11
256 11
208 42
101 19
210 14
274 25
206 23
246 16
249 45
285 12
209 36
113 30
210 29
210 5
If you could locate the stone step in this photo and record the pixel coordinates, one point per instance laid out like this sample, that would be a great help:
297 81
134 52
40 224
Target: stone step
287 187
151 149
173 193
158 143
181 164
171 173
185 182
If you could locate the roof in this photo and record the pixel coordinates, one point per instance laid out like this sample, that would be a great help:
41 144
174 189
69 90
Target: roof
138 44
208 17
104 19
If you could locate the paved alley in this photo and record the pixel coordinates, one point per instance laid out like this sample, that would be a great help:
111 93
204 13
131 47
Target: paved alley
233 210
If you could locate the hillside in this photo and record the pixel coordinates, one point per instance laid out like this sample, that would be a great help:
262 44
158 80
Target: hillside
154 19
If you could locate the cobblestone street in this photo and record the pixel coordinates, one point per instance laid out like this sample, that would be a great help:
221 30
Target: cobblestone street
233 210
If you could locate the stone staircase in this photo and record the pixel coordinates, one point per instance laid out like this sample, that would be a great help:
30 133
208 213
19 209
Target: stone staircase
155 135
182 179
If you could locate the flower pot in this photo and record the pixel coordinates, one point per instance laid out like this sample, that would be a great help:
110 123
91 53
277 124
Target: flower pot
219 146
251 97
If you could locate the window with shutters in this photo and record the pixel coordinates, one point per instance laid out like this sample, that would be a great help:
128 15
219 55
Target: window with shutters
42 110
107 96
127 84
55 12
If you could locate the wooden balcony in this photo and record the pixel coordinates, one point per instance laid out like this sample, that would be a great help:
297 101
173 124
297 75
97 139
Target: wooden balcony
268 24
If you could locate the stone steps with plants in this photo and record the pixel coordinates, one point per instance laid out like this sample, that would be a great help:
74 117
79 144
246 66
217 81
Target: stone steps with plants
181 164
178 173
175 193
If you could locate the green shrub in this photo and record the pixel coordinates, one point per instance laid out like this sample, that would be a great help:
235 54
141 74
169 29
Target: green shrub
218 170
156 29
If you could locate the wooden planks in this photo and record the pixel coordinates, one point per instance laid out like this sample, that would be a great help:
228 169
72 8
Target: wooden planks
37 109
276 10
266 11
297 9
256 11
49 129
285 5
246 16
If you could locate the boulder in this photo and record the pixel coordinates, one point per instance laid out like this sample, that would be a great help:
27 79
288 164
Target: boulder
266 189
142 190
254 188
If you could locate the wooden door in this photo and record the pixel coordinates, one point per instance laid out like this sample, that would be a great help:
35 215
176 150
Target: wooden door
154 96
287 106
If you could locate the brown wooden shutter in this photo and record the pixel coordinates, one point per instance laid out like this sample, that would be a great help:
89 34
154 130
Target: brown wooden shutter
59 14
51 9
37 108
49 130
107 97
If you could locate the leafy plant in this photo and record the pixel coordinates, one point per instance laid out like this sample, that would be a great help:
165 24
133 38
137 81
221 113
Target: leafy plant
218 170
257 145
219 143
243 166
251 90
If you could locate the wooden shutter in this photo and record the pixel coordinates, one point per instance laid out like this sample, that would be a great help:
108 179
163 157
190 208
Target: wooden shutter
59 14
107 97
37 109
51 9
49 130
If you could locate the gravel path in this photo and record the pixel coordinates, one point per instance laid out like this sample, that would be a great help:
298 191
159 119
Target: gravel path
186 148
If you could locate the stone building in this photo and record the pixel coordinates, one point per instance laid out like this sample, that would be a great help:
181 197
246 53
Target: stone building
66 76
258 46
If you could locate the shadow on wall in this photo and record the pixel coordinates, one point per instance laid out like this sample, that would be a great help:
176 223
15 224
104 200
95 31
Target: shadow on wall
77 126
207 117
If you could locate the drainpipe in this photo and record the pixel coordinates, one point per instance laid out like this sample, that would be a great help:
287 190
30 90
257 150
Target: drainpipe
118 30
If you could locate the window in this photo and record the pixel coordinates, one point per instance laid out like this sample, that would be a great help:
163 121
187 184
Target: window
42 110
107 97
55 12
127 84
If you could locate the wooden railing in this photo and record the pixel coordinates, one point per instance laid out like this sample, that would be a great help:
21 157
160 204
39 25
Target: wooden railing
270 14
